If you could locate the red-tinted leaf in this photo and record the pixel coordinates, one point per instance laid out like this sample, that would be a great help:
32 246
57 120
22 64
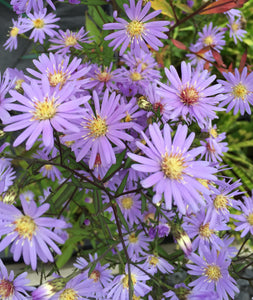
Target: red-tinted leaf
179 44
230 68
243 61
217 57
206 65
222 70
222 6
203 50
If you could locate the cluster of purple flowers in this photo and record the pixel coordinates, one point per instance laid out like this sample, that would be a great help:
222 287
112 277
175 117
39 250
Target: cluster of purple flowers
124 131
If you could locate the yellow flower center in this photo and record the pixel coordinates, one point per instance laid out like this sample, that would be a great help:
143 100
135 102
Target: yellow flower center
25 226
95 275
125 281
189 96
69 294
38 23
70 41
44 110
127 202
235 26
173 166
104 76
14 31
136 298
240 91
135 76
18 84
213 272
135 28
128 117
213 133
250 219
132 238
205 231
6 289
208 41
56 78
153 261
220 202
204 182
97 127
48 167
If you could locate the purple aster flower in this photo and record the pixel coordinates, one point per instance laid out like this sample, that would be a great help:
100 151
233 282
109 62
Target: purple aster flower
41 25
63 42
28 233
42 111
221 199
21 6
212 269
211 36
199 59
11 287
48 170
5 85
245 220
214 147
48 289
119 287
130 206
173 170
235 29
198 226
154 264
137 243
191 97
101 128
27 196
60 70
239 91
16 29
138 31
19 77
7 174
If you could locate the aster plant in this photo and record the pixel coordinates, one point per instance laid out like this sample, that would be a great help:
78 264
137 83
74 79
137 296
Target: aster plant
125 148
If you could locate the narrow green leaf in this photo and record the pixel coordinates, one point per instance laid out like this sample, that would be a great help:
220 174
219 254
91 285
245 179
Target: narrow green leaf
243 144
115 167
94 32
122 185
183 7
143 204
122 219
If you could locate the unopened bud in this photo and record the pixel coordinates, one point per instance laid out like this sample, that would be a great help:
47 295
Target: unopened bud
143 103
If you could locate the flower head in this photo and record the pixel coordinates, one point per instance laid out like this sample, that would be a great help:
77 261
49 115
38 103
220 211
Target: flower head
235 29
138 31
16 29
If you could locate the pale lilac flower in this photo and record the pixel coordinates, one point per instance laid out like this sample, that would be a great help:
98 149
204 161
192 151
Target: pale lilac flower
244 221
191 97
29 234
100 130
119 287
11 287
16 29
212 269
7 174
238 89
42 111
137 243
41 25
201 59
235 29
27 196
6 84
60 70
138 31
63 42
17 77
21 6
154 263
172 169
130 206
211 36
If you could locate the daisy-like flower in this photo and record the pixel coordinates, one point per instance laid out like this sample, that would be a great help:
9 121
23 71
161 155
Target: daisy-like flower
235 29
6 84
41 25
211 36
7 174
63 42
98 130
239 91
155 263
48 289
42 111
212 269
60 70
199 59
191 97
11 287
137 243
16 29
119 287
28 233
21 6
19 77
130 206
214 147
138 31
245 220
171 169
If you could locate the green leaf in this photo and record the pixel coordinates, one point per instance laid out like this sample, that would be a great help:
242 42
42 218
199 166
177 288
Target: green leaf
237 146
94 32
143 204
115 167
122 219
122 185
183 7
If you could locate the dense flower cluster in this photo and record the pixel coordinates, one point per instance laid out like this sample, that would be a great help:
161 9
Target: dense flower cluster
126 154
